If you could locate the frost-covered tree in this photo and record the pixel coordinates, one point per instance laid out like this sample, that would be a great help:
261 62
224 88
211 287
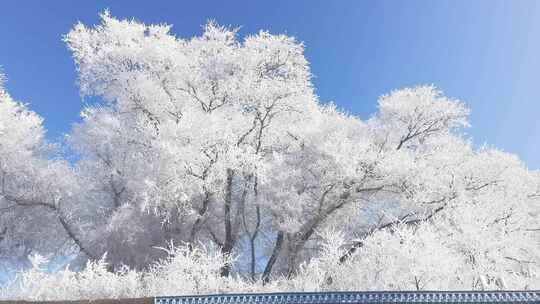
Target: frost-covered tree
222 141
186 126
37 205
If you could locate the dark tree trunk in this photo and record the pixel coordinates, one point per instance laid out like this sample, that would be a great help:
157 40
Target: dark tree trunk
273 258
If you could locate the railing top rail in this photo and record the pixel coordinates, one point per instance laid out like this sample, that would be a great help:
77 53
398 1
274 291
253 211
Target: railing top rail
532 296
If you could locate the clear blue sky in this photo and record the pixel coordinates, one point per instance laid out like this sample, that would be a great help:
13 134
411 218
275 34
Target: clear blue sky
486 53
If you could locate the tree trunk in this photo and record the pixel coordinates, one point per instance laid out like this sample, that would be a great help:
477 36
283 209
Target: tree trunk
275 253
228 244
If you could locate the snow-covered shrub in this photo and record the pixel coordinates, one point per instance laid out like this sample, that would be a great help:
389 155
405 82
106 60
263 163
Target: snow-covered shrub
406 257
93 282
186 270
189 271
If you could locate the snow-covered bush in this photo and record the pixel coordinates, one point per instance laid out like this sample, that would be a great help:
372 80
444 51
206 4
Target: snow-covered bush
93 282
408 257
189 270
186 270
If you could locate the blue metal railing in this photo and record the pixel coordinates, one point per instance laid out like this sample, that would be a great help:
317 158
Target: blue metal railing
360 297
